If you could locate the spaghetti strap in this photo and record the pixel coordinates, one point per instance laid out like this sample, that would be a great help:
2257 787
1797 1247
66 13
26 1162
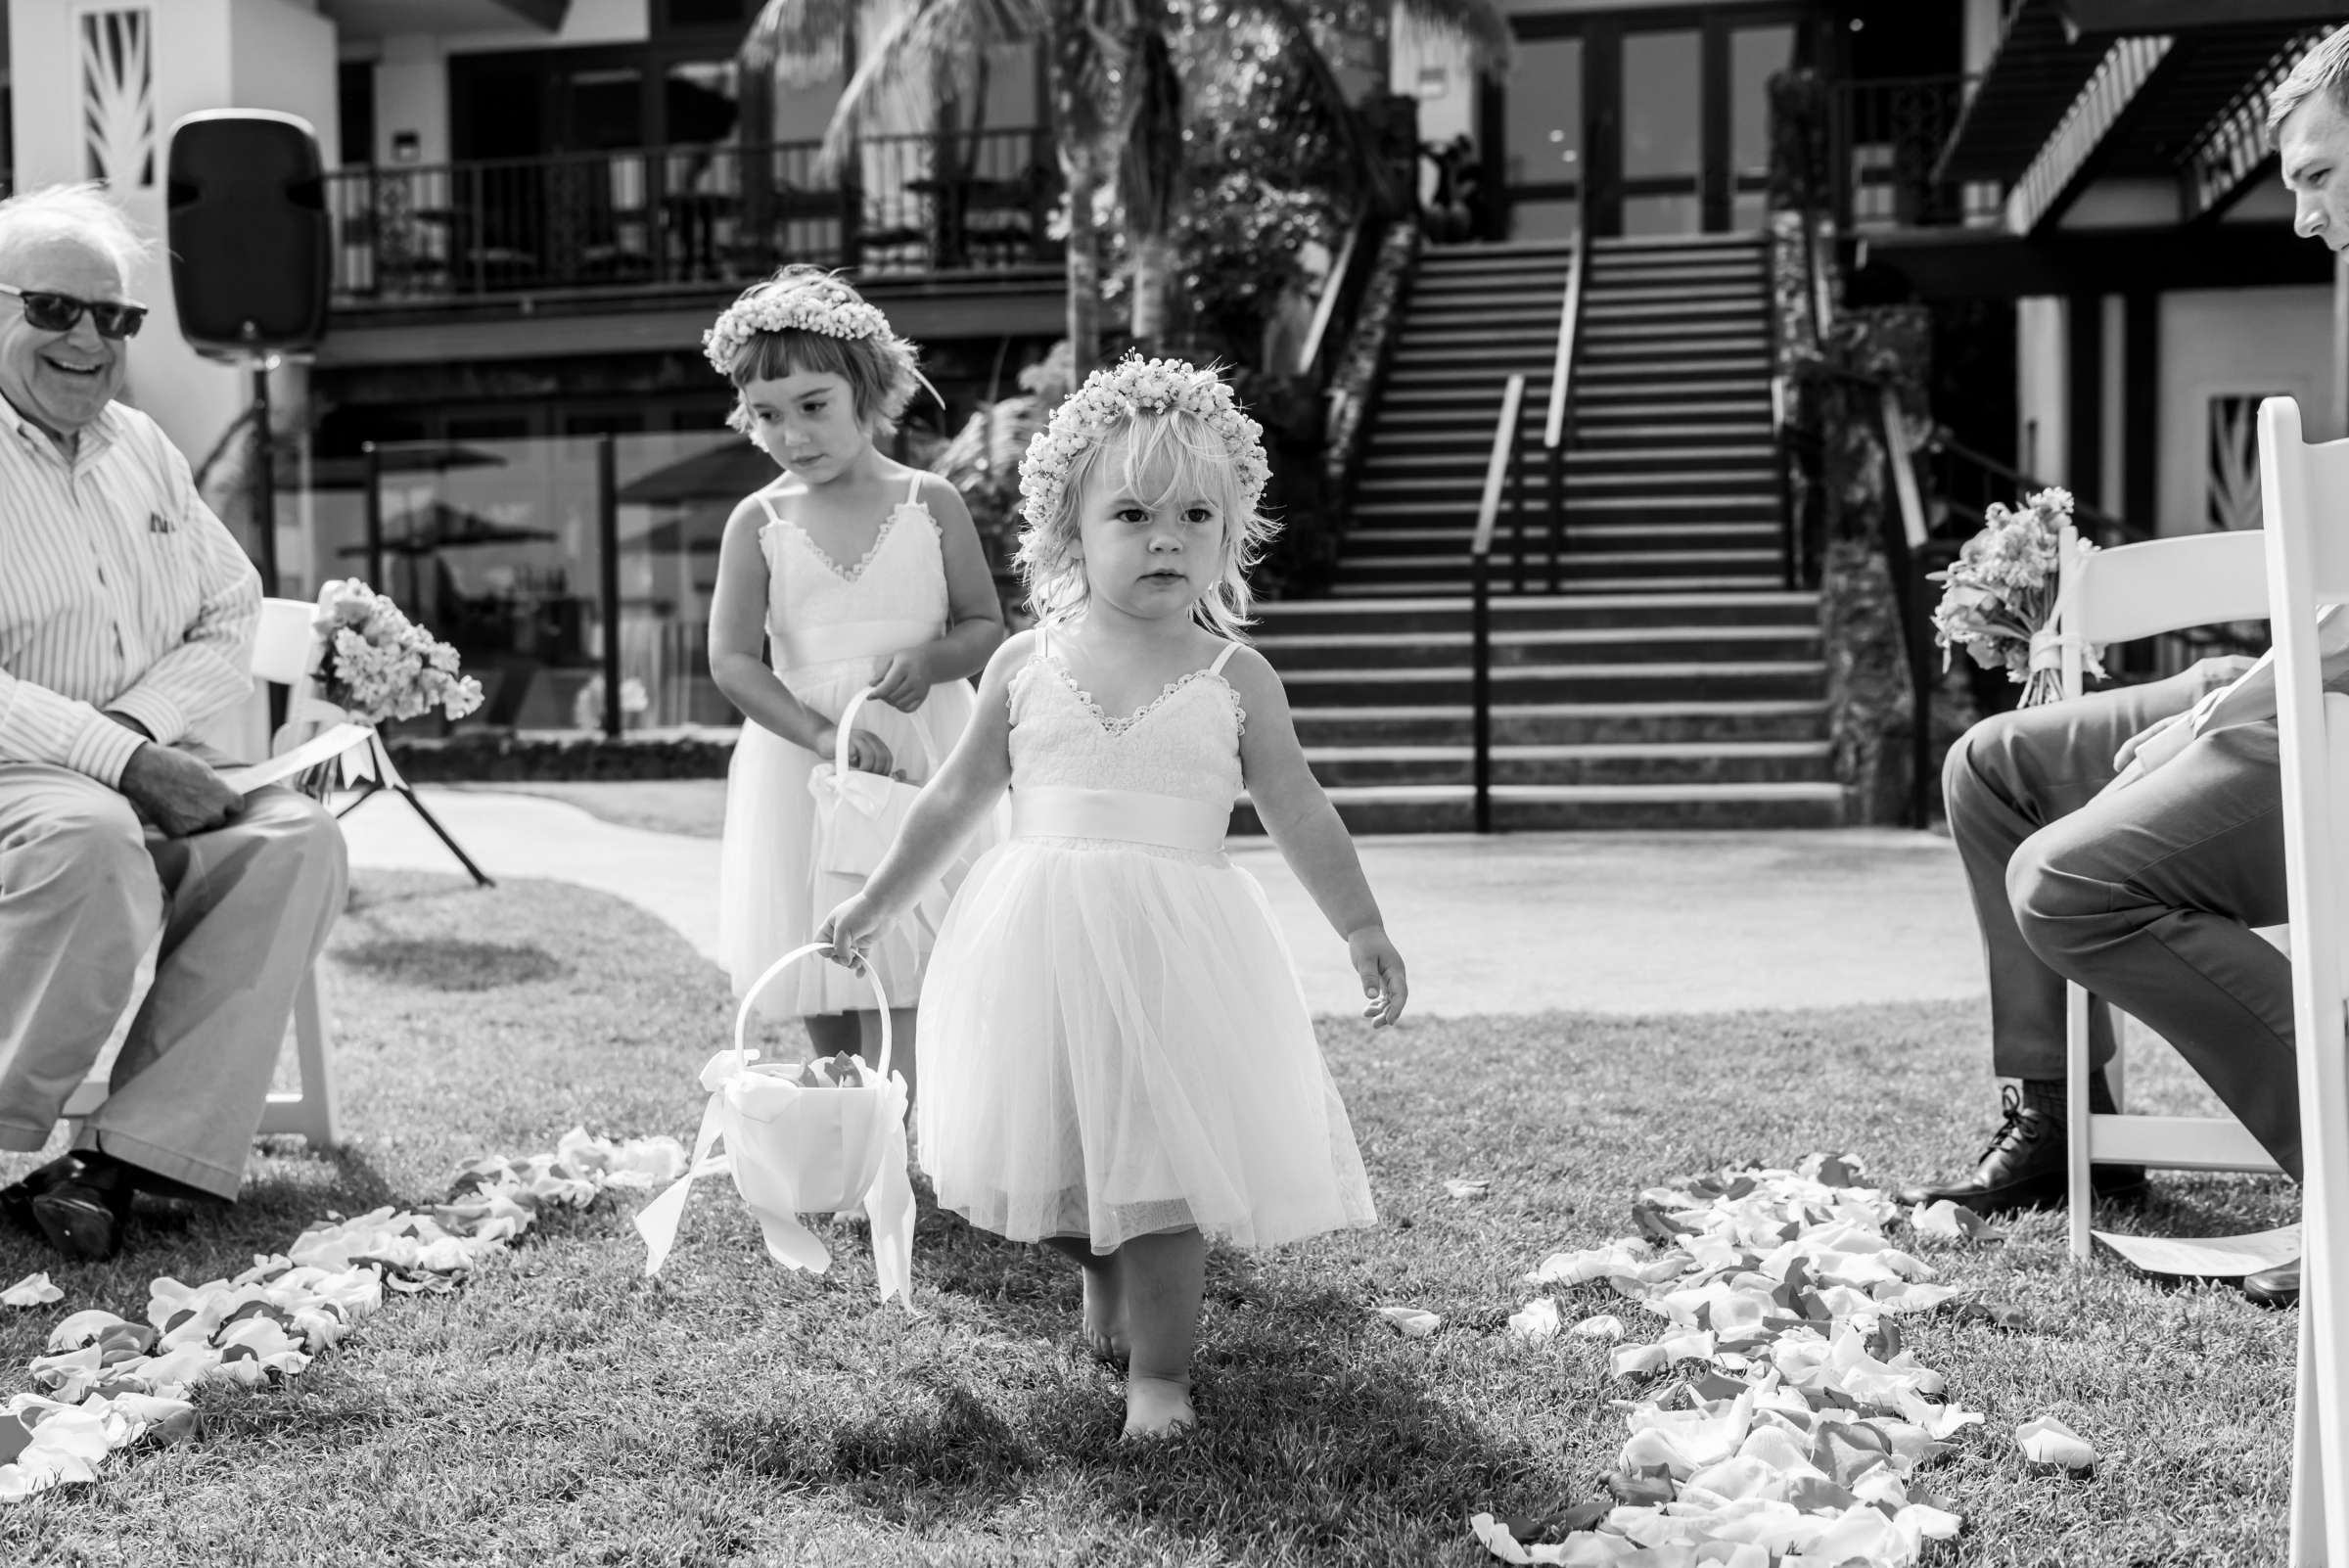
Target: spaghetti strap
913 490
1223 658
766 503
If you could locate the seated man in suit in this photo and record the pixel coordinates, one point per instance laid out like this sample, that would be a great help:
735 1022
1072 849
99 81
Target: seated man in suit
127 616
2148 894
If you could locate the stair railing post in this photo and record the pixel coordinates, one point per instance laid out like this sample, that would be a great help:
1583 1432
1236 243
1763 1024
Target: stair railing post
1499 466
1557 423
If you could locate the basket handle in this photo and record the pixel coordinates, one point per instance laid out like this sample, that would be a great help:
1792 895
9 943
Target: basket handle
742 1014
841 731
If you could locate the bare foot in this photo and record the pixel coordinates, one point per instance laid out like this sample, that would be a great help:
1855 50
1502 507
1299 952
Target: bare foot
1159 1406
1105 1315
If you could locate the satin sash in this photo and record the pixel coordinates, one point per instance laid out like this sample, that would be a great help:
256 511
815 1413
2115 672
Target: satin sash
849 639
1132 817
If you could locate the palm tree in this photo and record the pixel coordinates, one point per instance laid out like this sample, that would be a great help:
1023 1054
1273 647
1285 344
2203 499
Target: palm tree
1115 92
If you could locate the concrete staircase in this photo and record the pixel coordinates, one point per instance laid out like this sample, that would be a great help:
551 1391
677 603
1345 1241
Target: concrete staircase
1670 681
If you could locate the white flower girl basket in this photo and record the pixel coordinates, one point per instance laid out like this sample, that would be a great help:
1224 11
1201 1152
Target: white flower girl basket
795 1149
857 815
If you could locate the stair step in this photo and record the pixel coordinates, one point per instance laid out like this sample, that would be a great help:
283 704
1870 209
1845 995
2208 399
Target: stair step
1621 763
1629 299
1293 654
1566 724
1434 578
1718 679
1611 314
1398 617
1568 807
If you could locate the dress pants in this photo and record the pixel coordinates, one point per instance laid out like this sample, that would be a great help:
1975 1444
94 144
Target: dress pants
2146 896
84 889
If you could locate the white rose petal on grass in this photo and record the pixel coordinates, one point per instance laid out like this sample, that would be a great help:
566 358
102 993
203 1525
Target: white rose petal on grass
1537 1320
1463 1187
1606 1325
1946 1221
34 1290
2048 1441
1412 1322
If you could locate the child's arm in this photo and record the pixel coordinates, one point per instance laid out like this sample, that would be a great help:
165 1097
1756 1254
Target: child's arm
974 612
1304 827
965 787
737 636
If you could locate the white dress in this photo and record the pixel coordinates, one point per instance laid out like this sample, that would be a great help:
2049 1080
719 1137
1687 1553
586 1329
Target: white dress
827 626
1114 1040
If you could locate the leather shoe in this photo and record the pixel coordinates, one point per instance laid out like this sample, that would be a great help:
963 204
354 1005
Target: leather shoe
2279 1286
2024 1167
86 1209
16 1199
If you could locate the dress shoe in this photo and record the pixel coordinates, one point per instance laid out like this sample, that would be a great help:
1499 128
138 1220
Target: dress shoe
2024 1167
16 1199
86 1211
2279 1286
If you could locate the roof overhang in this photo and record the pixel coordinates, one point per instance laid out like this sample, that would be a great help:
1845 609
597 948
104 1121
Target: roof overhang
1987 264
375 18
2093 19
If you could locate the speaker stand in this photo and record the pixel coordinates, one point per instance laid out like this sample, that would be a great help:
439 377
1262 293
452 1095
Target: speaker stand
264 472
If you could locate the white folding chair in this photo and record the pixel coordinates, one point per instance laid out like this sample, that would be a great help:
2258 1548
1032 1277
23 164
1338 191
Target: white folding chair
2105 597
2305 492
282 649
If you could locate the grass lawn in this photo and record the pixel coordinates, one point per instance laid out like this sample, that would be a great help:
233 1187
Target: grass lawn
561 1408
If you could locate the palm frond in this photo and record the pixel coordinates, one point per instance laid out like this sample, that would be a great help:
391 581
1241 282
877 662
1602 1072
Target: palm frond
797 42
903 67
1481 24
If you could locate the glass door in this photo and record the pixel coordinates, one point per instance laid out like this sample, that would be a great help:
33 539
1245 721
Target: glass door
1542 130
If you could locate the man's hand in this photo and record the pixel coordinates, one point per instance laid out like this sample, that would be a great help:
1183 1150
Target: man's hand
177 793
902 680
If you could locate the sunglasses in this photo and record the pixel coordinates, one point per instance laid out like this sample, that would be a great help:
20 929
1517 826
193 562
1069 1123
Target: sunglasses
57 312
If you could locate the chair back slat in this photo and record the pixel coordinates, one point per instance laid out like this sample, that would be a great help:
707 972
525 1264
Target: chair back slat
2167 585
281 644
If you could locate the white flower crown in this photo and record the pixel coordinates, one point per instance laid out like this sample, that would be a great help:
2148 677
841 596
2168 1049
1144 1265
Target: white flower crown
810 304
1109 399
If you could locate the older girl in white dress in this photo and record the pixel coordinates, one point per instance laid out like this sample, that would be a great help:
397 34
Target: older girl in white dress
1122 1061
857 573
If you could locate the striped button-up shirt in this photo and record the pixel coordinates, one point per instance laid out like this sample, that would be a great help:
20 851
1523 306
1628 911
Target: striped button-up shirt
120 592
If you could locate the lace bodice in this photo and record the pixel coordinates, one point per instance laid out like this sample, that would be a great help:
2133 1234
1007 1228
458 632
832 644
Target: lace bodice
900 581
1185 742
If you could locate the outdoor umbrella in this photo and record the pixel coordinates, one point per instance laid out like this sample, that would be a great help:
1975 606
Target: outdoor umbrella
438 526
729 472
350 473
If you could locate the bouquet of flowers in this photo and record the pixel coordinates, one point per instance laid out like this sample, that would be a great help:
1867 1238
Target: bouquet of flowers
376 664
1997 599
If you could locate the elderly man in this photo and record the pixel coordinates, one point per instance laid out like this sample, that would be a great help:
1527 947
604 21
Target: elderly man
127 616
2147 893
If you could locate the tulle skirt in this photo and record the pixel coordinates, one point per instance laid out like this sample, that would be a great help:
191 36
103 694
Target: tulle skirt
1113 1042
771 895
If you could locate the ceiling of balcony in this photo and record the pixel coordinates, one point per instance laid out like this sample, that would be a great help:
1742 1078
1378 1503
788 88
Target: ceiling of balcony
377 19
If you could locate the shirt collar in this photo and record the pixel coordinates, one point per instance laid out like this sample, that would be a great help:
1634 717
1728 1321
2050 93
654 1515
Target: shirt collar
96 437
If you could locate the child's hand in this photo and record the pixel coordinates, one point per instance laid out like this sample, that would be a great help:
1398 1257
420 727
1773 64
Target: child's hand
868 753
847 929
1381 968
902 680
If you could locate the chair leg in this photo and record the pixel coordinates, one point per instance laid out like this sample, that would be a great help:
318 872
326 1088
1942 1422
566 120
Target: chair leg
313 1113
2080 1197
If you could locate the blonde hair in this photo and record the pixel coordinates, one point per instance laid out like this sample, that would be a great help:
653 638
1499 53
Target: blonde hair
2323 69
882 369
1198 460
83 211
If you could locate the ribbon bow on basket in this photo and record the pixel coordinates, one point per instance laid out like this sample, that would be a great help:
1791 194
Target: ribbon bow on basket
796 1147
857 815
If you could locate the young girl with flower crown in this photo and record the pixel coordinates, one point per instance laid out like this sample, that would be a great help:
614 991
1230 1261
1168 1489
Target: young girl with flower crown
1121 1060
857 573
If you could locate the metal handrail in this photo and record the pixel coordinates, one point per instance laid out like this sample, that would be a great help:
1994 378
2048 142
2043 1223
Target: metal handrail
1333 288
1498 467
1900 543
1557 425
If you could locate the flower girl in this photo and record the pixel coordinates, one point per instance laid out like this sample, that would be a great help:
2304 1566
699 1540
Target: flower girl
855 572
1121 1062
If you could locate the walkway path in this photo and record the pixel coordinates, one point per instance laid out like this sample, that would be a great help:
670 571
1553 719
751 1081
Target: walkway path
1616 923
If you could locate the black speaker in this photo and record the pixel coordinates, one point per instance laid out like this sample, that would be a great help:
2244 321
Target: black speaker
246 224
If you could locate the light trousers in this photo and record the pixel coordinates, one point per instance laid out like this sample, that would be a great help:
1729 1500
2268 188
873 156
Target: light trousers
2147 896
85 889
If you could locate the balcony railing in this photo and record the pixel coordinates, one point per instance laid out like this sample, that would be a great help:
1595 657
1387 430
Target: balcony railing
678 215
1885 139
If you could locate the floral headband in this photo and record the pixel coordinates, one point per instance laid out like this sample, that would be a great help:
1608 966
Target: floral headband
1109 399
812 305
